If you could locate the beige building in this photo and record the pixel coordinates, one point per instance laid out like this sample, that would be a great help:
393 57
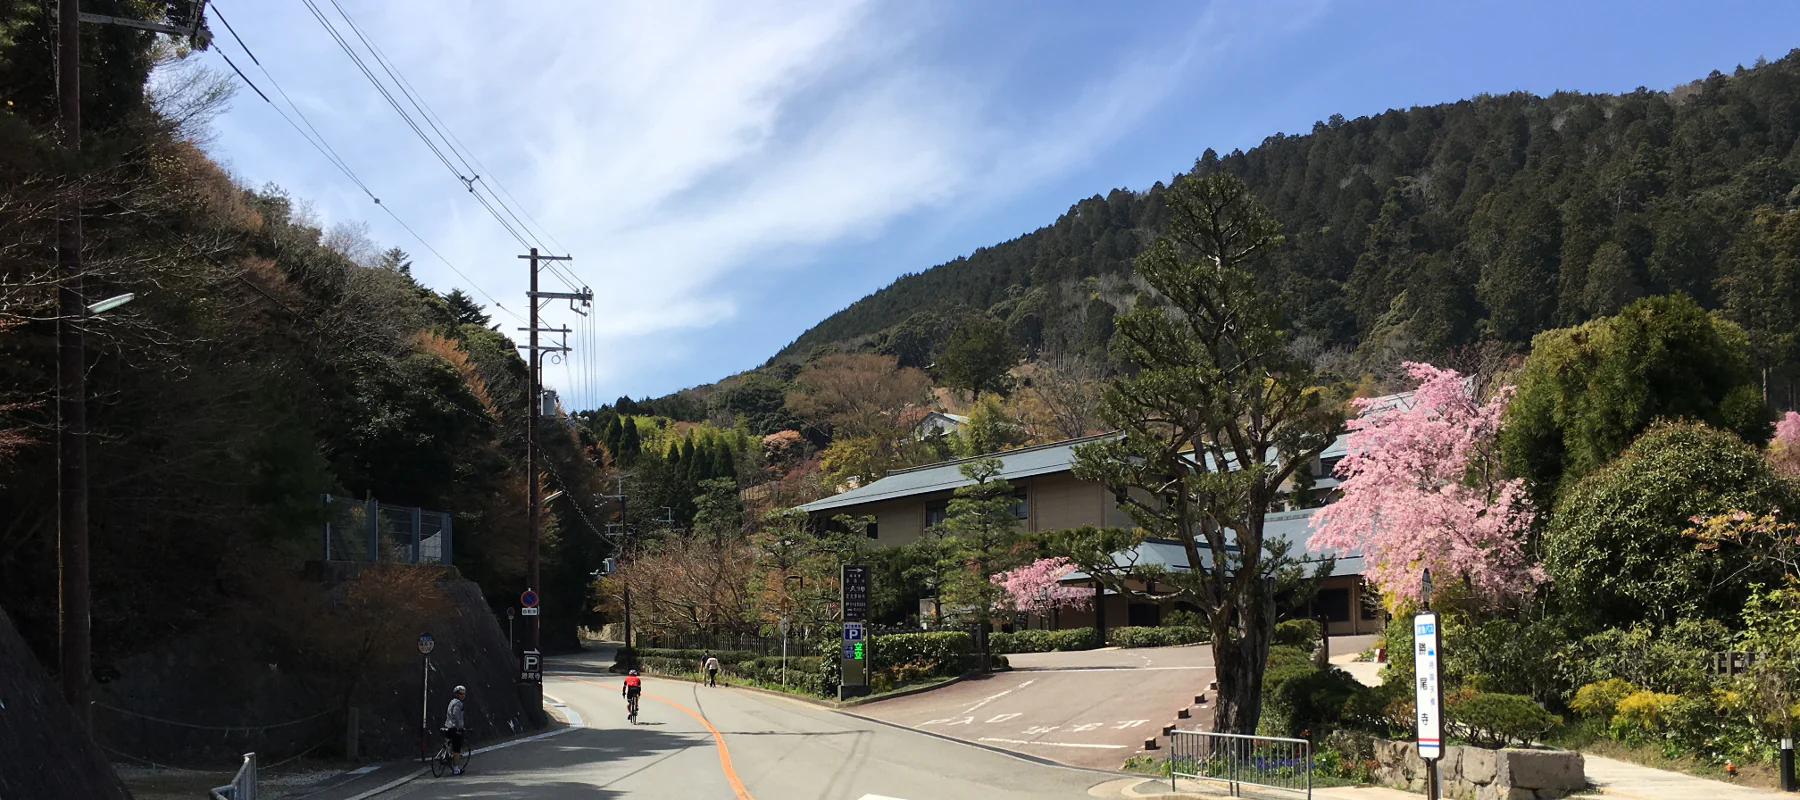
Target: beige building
906 503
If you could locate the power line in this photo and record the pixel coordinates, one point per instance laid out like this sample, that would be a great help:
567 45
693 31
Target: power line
321 144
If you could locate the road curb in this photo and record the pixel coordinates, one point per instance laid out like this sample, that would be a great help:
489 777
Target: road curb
1001 750
821 702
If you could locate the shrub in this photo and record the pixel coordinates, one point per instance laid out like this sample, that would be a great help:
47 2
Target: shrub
946 651
1041 641
1368 709
1642 714
1160 636
1182 618
1490 719
1302 633
1601 698
1306 702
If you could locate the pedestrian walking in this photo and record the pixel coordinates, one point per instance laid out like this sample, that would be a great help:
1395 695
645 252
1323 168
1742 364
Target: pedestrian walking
711 662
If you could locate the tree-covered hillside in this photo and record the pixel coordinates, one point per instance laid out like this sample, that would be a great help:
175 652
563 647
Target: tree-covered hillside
1416 232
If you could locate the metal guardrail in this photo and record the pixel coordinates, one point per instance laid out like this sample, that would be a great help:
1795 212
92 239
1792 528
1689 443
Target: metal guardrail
1235 759
370 531
243 785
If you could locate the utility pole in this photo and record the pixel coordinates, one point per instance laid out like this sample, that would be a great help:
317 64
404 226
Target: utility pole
74 620
619 544
535 355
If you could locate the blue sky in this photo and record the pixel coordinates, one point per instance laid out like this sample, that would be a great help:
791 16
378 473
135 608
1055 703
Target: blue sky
727 174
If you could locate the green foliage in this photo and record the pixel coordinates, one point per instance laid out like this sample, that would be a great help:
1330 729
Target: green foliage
1601 698
1489 719
1304 702
1585 393
1301 633
1614 547
1508 656
977 356
946 653
1771 691
989 430
759 403
1670 659
1157 636
979 539
1042 641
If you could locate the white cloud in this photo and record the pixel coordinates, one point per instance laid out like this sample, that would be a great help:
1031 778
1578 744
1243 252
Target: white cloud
676 149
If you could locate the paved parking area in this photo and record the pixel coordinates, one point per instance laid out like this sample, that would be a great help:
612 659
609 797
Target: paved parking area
1093 708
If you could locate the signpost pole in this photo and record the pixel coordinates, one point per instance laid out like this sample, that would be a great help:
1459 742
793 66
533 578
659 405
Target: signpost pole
853 587
426 645
1429 697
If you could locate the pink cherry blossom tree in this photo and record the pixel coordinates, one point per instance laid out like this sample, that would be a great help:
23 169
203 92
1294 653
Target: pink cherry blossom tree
1421 488
1784 449
1034 588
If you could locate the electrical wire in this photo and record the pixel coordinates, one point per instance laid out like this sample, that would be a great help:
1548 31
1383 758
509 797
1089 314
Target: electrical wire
321 144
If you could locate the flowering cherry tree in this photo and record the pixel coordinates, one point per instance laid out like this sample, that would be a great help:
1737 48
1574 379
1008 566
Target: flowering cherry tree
1034 588
1421 489
1784 449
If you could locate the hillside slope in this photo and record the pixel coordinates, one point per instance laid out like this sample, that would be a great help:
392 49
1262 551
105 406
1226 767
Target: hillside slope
1427 229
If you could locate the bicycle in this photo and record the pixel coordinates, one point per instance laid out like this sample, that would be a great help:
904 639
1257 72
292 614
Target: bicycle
441 763
631 708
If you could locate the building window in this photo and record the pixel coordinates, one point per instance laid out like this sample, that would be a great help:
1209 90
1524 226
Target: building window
936 512
1328 466
1143 615
874 529
1334 604
1022 509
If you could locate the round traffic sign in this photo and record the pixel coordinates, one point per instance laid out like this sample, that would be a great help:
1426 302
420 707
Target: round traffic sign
786 626
529 599
426 643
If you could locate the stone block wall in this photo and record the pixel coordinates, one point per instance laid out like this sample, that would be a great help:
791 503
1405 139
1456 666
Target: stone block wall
1475 773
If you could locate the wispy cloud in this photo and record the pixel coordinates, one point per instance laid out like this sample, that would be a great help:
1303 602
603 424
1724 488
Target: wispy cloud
683 151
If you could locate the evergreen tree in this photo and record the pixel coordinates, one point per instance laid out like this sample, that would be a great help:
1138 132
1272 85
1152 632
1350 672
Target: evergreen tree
978 356
629 443
465 310
397 260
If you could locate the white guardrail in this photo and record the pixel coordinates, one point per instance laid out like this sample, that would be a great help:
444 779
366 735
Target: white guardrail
243 785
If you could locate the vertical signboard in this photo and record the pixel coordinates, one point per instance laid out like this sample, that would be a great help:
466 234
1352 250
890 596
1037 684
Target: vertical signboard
854 588
1429 697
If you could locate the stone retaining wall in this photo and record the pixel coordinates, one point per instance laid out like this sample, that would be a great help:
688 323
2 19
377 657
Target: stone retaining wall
1475 773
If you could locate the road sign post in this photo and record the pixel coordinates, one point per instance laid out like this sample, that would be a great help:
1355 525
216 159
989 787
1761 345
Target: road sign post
531 667
785 627
1428 698
426 645
853 587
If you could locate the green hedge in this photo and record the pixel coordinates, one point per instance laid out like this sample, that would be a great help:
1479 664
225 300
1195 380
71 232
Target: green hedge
1160 636
944 653
1042 641
1499 720
1302 633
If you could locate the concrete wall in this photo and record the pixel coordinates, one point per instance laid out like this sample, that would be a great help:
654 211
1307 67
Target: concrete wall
1474 773
203 699
43 751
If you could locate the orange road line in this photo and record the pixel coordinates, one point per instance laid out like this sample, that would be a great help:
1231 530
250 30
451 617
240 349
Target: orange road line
731 776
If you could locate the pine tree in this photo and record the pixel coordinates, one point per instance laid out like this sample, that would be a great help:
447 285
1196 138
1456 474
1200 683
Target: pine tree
465 310
629 443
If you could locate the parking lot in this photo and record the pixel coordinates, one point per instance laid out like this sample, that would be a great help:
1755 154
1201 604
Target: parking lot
1092 709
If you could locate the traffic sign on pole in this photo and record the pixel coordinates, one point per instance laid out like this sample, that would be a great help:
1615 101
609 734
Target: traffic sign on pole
426 643
529 599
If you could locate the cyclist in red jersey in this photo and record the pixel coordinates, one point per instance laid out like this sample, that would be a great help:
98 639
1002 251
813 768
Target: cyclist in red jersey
633 687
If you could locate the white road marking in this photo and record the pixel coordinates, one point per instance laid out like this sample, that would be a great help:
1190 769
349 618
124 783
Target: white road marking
1055 744
971 709
1129 723
1039 730
935 721
1085 727
963 721
876 797
365 770
1002 718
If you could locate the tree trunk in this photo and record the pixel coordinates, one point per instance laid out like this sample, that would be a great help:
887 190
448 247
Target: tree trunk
1240 646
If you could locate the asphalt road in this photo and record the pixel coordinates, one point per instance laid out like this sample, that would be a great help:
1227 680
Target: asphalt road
694 742
1089 708
1093 708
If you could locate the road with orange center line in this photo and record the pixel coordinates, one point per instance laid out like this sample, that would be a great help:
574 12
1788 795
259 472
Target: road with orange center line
694 742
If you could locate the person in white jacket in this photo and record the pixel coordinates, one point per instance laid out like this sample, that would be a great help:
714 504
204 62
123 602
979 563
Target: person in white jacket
710 663
456 728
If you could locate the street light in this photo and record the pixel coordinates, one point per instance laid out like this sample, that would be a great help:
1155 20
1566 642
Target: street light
111 303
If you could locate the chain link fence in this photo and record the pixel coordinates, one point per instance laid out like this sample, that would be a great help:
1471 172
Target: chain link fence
372 531
760 645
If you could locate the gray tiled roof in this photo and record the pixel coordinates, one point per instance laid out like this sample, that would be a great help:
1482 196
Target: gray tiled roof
1294 526
1014 464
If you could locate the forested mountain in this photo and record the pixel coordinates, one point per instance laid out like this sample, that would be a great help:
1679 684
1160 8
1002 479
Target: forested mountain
1417 232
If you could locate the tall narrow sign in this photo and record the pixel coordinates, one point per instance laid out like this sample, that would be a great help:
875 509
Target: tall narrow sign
853 678
1429 699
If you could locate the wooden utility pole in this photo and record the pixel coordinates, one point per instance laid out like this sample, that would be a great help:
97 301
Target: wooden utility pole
73 618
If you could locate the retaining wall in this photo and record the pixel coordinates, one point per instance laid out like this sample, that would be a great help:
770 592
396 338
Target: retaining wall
1476 773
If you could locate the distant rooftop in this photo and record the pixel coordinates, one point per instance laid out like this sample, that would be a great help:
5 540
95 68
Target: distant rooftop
1043 459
